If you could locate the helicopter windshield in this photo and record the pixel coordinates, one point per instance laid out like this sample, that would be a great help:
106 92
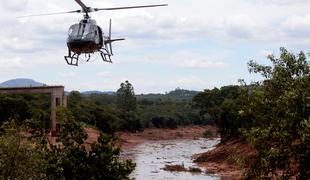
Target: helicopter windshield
82 30
74 30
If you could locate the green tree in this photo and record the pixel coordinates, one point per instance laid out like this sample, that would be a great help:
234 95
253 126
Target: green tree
278 109
13 108
127 104
126 100
24 154
221 106
71 160
19 157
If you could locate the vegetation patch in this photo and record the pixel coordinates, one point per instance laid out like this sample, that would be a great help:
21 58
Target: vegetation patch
179 134
194 170
272 115
208 134
181 168
172 168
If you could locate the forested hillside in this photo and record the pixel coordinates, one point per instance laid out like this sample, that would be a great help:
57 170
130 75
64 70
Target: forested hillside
142 111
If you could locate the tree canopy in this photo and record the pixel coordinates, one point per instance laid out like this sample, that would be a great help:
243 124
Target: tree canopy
279 112
272 114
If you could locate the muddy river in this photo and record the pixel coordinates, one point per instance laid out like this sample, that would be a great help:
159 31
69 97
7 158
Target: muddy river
152 156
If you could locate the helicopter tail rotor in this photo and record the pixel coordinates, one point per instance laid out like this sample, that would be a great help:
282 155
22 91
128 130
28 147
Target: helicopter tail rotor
109 40
110 34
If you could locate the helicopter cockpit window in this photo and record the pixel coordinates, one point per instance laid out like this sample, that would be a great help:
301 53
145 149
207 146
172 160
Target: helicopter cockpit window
89 31
74 30
83 30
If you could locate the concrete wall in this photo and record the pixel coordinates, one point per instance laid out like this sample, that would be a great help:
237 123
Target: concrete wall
57 96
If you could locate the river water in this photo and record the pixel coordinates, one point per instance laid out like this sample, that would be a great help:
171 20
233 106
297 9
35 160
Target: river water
151 156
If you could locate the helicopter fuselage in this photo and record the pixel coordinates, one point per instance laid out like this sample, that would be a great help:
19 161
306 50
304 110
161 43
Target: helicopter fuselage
85 37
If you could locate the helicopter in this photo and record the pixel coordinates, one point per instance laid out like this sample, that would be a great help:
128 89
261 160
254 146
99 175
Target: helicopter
86 37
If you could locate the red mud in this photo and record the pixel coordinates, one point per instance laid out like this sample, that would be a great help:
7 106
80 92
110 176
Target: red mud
153 134
227 159
127 139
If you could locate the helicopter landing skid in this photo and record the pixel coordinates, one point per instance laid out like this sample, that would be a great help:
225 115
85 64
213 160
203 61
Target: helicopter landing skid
73 60
105 55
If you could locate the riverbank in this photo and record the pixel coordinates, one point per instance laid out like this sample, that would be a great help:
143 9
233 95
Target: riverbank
128 139
227 159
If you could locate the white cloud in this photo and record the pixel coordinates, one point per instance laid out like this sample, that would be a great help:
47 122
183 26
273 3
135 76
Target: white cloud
67 75
12 63
184 59
104 74
297 26
199 36
15 43
193 60
14 5
265 53
190 81
279 2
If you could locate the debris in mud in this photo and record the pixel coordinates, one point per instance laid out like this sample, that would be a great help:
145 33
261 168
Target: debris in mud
172 168
181 168
194 170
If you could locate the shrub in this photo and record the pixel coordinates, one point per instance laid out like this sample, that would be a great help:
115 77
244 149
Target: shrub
195 170
208 134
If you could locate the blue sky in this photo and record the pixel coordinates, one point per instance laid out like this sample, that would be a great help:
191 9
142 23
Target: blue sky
189 44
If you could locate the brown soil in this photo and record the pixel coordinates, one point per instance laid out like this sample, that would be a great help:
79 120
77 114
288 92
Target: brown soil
173 168
93 135
153 134
227 159
127 139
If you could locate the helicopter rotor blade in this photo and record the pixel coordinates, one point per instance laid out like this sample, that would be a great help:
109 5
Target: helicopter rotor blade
50 14
86 9
83 6
128 7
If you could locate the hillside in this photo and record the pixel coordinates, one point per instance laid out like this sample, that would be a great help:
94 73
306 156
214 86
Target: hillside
21 82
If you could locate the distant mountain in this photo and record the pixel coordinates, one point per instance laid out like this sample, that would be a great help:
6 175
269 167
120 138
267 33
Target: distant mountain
21 82
98 92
